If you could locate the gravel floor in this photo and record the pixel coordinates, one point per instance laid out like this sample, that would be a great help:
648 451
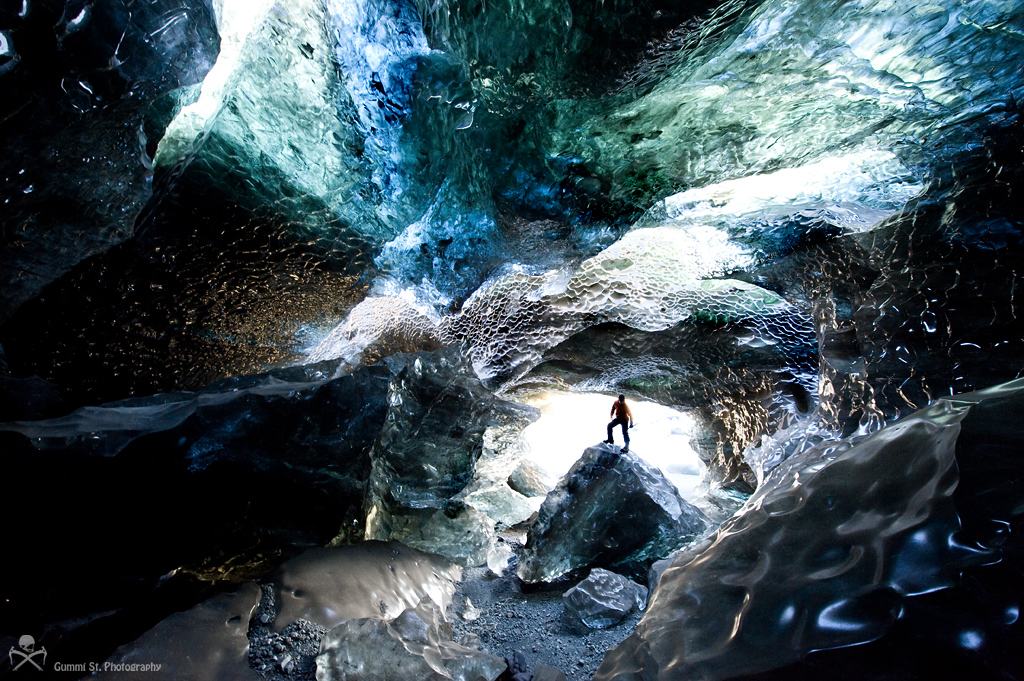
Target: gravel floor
503 620
510 620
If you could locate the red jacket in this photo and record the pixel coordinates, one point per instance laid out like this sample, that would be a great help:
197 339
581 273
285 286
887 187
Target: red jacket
621 410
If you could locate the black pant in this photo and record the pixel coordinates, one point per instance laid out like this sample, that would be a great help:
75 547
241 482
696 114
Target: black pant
625 429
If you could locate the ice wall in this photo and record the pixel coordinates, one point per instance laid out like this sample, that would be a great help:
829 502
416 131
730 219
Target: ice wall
77 80
796 82
891 555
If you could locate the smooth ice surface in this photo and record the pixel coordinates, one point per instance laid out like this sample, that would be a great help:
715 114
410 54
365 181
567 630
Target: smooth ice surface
570 422
207 642
368 580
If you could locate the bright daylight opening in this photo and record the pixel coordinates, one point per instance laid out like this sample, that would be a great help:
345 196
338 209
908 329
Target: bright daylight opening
570 422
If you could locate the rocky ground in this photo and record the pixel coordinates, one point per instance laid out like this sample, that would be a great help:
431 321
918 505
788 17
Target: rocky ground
493 612
508 620
286 656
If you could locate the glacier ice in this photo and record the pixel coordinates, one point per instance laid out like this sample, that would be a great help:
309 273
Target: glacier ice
603 599
306 135
651 279
212 487
320 589
793 82
207 642
78 86
850 544
378 326
798 220
368 580
424 488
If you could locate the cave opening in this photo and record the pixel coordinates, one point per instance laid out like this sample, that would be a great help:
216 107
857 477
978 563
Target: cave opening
568 423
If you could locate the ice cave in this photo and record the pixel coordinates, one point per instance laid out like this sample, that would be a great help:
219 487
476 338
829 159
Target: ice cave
316 316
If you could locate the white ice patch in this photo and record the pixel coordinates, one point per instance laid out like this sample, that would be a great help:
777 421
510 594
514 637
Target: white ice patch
833 180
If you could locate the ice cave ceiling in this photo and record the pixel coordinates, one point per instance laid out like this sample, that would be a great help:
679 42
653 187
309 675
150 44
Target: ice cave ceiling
797 221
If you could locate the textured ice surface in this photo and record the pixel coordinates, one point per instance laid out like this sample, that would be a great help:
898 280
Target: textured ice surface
371 582
650 280
610 510
290 102
603 599
424 488
845 545
78 81
375 328
828 194
791 82
415 645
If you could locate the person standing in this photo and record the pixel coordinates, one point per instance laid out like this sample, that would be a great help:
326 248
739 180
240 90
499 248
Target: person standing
621 415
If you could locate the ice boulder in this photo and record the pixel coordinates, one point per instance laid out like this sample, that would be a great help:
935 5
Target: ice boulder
603 599
415 645
610 510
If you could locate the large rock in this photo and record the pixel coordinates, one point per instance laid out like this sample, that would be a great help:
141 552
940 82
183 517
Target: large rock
611 510
603 599
427 453
902 541
415 645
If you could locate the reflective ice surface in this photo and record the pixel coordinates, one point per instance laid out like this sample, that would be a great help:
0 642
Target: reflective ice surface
374 579
848 545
